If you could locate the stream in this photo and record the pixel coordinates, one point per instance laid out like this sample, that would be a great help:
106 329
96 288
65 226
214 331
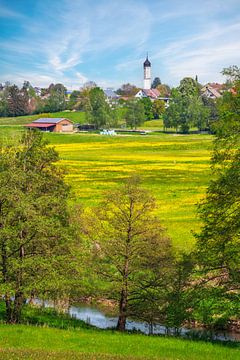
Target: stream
96 317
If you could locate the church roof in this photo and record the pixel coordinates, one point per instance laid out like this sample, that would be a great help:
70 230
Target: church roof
152 93
146 62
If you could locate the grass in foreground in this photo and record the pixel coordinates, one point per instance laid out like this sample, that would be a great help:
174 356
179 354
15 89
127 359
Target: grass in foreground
29 342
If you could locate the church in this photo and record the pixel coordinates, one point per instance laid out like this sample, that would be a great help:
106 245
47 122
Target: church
147 91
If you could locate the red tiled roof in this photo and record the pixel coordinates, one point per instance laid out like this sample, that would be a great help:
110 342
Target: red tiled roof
216 86
40 125
153 93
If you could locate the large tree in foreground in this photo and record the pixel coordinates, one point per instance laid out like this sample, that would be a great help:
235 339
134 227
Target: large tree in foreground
131 249
218 244
34 236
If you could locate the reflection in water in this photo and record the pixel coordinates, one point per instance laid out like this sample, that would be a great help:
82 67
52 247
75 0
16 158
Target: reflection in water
96 317
93 316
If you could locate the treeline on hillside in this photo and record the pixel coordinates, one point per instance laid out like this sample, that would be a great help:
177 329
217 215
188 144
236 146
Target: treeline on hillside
119 249
15 101
187 107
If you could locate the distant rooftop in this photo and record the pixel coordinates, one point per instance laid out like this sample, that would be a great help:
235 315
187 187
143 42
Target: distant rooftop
111 94
49 120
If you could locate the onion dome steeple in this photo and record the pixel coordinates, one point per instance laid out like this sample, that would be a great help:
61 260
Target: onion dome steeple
146 62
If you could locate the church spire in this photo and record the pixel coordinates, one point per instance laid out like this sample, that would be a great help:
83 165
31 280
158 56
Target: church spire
147 74
146 62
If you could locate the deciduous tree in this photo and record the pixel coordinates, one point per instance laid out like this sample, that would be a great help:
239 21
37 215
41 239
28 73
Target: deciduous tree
218 244
135 114
156 82
130 247
34 226
99 113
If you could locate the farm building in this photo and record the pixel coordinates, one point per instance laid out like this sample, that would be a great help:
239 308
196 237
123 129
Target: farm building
52 125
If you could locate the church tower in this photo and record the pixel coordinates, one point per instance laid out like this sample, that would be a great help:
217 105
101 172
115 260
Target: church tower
147 74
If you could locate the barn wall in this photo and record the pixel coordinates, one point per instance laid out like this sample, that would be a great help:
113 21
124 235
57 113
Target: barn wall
64 126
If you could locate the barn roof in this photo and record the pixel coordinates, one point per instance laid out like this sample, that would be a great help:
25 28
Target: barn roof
49 120
45 125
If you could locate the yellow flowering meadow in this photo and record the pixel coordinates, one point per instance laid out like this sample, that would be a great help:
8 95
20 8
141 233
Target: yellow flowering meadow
174 168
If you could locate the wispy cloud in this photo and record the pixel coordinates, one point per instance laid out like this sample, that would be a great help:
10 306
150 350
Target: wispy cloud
204 54
6 12
71 41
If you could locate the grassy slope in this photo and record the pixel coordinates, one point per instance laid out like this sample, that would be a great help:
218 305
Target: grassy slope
76 117
33 343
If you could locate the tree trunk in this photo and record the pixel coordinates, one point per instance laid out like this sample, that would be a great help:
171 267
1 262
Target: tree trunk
121 325
150 328
19 298
8 304
8 301
17 309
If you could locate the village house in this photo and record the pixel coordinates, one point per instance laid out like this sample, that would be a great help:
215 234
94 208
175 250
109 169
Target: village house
212 90
111 97
152 94
52 125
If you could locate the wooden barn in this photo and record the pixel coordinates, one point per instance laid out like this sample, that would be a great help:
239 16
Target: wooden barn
52 125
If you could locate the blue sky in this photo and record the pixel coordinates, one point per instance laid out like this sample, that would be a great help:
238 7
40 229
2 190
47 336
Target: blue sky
46 41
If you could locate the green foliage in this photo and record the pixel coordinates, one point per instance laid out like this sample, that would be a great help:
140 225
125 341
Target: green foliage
73 100
135 114
45 316
186 108
218 244
214 307
156 82
17 101
131 250
147 103
164 90
180 297
127 90
232 73
99 113
188 87
34 229
56 100
158 108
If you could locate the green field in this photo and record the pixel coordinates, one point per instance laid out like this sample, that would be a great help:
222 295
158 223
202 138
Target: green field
175 168
29 342
76 117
